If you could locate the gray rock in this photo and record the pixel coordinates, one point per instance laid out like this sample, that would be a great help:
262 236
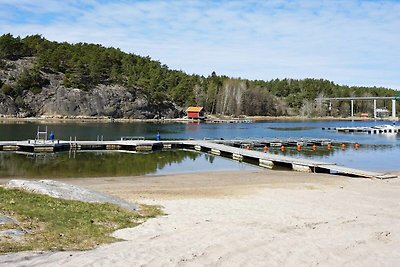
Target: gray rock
70 192
12 233
102 101
5 219
7 105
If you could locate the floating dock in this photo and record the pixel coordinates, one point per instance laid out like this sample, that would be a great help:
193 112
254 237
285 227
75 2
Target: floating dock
382 129
229 121
214 147
274 142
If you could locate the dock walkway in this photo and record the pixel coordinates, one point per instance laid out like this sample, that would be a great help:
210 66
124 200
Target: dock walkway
266 160
380 129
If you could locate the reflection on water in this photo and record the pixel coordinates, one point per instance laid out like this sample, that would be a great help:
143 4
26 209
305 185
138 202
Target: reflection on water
94 164
377 152
292 128
367 157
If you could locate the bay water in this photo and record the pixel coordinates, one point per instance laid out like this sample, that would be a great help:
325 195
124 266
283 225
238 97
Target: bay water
376 152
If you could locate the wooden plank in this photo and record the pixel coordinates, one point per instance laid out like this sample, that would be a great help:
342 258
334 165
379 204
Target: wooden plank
357 172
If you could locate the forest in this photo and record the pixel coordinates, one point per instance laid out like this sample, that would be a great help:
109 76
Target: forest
85 66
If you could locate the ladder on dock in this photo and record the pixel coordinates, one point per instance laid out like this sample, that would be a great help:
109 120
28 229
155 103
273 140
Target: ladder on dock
41 135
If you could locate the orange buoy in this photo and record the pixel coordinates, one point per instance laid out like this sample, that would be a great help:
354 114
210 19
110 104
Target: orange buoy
298 147
314 147
329 146
282 148
356 145
343 146
265 148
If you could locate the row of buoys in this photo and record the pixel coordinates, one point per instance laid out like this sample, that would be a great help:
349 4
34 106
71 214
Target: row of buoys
356 146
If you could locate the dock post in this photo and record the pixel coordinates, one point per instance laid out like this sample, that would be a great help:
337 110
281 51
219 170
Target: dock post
394 108
352 107
374 108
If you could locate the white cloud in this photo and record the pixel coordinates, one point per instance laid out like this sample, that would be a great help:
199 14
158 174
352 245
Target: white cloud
350 42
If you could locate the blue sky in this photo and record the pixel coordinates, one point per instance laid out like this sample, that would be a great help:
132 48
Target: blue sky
350 42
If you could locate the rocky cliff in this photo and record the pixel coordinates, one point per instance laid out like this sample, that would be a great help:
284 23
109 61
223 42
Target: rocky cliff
56 100
102 101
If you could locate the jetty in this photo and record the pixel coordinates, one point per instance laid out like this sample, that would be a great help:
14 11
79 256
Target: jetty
214 147
274 142
381 129
228 120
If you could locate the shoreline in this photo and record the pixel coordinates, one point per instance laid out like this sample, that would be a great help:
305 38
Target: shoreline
87 119
214 184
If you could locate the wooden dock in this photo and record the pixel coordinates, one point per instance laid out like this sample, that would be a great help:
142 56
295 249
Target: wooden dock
229 121
214 147
268 160
274 142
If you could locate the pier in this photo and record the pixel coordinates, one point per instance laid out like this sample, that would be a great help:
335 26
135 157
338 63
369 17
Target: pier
229 121
274 142
382 129
214 147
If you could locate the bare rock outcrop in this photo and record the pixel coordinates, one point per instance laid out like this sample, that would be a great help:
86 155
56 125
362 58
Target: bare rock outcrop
66 191
7 105
54 99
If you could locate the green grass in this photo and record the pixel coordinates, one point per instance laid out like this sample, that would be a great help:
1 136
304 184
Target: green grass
57 224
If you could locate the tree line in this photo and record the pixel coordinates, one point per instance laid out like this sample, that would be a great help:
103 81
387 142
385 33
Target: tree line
85 66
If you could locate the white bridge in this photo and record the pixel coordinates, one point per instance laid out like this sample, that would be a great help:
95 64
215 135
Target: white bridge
365 98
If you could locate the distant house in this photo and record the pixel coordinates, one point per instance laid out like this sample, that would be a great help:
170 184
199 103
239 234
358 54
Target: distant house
382 112
195 113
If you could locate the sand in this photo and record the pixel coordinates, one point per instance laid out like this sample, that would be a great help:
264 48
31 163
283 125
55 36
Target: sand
248 218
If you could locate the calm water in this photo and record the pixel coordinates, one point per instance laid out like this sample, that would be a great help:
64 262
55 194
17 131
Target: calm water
109 163
376 152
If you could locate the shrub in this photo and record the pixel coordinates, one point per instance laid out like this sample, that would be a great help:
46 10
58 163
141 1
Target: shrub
7 89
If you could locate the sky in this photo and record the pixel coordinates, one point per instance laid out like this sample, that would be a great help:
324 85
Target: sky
351 42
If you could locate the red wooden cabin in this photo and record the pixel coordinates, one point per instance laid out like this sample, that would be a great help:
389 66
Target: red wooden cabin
195 113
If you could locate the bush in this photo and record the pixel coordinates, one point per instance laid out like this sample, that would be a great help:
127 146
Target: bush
31 81
19 101
10 66
7 89
10 47
3 64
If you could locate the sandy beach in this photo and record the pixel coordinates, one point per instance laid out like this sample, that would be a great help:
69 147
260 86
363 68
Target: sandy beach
247 218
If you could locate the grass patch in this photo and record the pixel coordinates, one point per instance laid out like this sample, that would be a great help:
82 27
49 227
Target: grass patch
58 224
